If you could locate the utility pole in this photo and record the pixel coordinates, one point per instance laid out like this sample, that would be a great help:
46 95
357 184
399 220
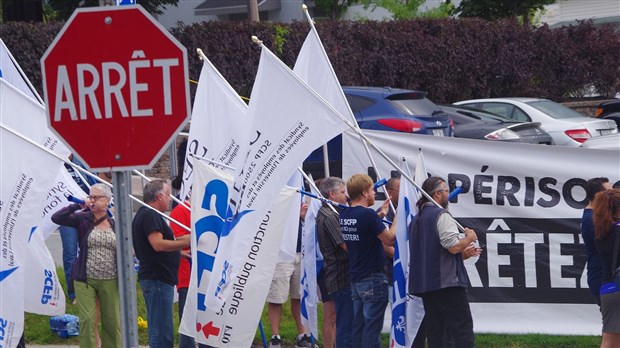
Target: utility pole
253 11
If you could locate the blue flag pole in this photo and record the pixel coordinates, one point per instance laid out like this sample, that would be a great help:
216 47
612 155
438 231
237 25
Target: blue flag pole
262 333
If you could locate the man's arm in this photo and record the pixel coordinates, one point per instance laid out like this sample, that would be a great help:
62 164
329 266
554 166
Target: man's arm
462 244
159 244
386 237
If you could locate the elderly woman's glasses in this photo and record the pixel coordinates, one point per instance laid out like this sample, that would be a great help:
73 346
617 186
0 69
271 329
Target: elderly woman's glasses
95 198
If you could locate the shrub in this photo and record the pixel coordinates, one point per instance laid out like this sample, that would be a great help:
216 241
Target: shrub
452 59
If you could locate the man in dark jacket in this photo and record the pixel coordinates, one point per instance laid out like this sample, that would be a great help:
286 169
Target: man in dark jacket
437 272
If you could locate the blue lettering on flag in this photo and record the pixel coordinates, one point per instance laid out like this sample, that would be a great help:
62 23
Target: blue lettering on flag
218 224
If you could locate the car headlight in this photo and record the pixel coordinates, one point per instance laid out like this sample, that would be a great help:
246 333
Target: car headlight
502 134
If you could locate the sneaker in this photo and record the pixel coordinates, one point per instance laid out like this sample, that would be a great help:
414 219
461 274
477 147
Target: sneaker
275 342
304 341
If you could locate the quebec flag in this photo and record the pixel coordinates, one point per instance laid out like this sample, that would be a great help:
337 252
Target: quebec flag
407 311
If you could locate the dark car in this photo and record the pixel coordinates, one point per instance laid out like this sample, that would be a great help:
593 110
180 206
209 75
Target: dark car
609 110
387 109
479 124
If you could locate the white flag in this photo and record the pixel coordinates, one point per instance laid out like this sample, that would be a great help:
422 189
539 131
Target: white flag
234 323
43 292
288 249
23 188
14 75
220 126
56 199
407 310
313 66
289 122
311 264
222 141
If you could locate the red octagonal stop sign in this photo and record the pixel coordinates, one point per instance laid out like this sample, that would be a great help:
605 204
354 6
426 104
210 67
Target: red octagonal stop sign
116 87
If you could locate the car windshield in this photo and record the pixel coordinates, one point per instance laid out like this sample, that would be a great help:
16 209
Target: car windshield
554 110
416 107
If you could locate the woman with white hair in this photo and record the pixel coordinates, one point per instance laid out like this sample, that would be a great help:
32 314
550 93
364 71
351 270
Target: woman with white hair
95 269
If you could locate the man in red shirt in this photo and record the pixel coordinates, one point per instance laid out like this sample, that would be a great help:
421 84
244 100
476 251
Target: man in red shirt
182 214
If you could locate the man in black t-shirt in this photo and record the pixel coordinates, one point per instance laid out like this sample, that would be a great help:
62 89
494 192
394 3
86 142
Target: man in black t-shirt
158 252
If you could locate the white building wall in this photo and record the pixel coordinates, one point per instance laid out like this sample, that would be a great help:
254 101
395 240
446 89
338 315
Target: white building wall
184 12
569 10
289 10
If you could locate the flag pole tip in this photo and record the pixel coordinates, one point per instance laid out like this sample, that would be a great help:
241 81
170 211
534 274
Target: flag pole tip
200 53
256 40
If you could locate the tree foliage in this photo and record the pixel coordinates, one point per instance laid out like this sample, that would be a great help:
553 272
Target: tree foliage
400 9
498 9
64 8
334 8
452 59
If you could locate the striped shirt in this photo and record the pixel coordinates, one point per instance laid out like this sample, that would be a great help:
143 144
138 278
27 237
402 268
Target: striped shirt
335 259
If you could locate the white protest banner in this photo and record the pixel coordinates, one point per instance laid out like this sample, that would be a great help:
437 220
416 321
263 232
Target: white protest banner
220 125
525 203
14 75
311 264
23 188
289 121
407 311
234 323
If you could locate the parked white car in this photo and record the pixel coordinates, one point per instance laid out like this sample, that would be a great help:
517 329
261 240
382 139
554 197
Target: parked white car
566 126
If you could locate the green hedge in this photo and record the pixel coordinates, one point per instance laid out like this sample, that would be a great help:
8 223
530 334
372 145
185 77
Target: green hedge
452 59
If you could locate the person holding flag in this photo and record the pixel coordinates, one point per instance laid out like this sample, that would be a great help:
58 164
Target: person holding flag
436 255
365 235
337 285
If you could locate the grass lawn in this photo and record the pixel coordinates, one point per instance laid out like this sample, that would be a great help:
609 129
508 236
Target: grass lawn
38 331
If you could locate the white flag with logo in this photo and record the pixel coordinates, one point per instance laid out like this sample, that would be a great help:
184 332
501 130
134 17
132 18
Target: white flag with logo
220 125
23 188
289 122
224 142
234 323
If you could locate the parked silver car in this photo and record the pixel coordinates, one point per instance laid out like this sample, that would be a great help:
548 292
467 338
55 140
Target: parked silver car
566 126
606 142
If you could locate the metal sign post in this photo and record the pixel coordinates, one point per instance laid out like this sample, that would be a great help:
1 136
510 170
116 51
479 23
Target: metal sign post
124 255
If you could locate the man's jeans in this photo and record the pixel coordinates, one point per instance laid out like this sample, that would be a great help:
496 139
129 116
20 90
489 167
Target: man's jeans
158 299
344 317
370 297
69 239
